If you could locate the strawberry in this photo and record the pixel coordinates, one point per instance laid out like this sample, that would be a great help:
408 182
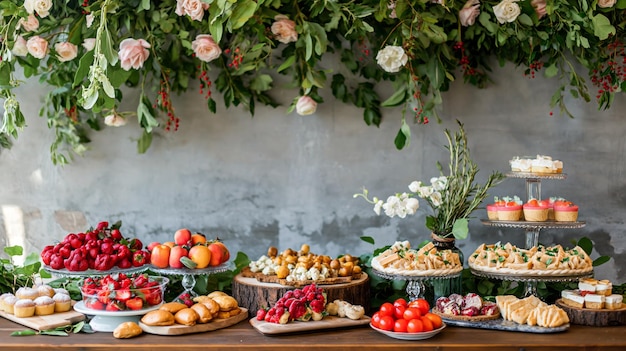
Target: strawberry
123 294
94 304
260 314
114 306
136 303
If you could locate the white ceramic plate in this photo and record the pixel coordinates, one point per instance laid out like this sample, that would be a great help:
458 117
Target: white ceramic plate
410 336
80 307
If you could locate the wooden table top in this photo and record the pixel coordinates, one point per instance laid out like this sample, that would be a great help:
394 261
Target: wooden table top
243 337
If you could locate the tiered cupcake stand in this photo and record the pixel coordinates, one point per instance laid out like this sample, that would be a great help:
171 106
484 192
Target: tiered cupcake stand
415 287
532 229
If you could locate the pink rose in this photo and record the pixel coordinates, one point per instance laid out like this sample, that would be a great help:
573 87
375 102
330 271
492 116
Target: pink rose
66 51
469 12
284 29
19 47
306 106
114 120
540 7
205 48
37 46
89 43
606 3
192 8
133 53
30 24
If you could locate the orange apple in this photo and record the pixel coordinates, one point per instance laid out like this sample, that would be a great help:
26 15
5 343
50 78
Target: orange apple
152 245
182 236
160 255
198 238
169 243
219 253
175 254
200 255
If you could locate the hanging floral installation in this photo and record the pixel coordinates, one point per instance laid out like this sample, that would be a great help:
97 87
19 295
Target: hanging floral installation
86 51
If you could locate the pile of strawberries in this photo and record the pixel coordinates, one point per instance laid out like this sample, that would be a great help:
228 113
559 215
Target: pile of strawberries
119 292
101 249
298 304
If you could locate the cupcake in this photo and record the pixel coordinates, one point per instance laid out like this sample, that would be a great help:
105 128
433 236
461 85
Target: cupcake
24 308
9 304
62 302
550 203
26 293
44 305
45 290
492 212
535 211
565 211
509 209
61 291
2 303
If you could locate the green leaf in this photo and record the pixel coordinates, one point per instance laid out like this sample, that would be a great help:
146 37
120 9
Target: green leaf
53 332
368 239
398 97
262 82
483 18
143 144
621 4
460 228
5 73
26 332
602 27
308 42
551 71
211 105
83 67
242 12
146 120
403 138
14 250
525 20
107 47
601 260
586 244
288 63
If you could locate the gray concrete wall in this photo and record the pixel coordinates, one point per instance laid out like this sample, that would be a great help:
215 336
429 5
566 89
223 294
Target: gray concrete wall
282 179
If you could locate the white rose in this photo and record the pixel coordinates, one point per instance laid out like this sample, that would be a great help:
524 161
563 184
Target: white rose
89 43
306 106
19 47
66 51
412 204
41 7
414 186
89 20
392 58
606 3
377 206
30 24
507 11
37 46
114 120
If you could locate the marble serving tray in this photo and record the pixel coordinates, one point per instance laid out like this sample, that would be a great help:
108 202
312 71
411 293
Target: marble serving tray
501 324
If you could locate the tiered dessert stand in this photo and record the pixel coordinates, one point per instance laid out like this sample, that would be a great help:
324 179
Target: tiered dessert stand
532 229
189 276
415 287
103 321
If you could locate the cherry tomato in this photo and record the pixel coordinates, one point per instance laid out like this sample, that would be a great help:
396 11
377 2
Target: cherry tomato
398 311
422 304
401 302
428 325
386 309
415 326
376 320
400 326
435 319
411 313
386 323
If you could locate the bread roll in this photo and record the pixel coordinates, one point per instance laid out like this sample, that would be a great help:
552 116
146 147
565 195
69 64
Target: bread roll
186 316
172 307
204 314
226 302
158 317
217 293
127 330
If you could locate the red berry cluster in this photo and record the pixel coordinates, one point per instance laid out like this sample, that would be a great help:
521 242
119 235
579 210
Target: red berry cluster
464 61
100 249
297 304
608 77
164 103
237 58
533 68
85 5
72 113
119 292
205 83
363 50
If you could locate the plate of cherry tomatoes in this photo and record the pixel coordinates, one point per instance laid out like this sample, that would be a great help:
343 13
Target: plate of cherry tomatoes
407 320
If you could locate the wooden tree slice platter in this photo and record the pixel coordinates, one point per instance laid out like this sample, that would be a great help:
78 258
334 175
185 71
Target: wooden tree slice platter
329 322
594 318
246 272
179 329
253 294
50 321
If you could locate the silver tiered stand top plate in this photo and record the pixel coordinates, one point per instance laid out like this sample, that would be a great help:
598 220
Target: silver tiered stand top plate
64 273
532 278
188 271
530 175
415 287
534 225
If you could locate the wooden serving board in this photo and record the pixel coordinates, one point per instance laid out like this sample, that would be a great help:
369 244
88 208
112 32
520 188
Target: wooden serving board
594 318
179 329
46 322
329 322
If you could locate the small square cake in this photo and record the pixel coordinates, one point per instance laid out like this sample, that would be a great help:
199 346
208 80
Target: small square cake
571 298
604 287
613 302
594 301
587 285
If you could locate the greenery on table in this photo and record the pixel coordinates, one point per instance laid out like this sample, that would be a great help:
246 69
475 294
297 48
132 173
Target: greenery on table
420 47
12 276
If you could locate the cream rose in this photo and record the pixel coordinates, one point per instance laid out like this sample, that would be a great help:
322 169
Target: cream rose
37 46
114 120
66 51
392 58
89 20
19 47
507 11
469 12
205 48
89 43
306 106
30 24
606 3
192 8
284 29
41 7
133 53
540 7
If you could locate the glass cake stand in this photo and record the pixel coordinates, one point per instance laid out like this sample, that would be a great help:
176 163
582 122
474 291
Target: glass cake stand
64 273
189 276
107 321
415 287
